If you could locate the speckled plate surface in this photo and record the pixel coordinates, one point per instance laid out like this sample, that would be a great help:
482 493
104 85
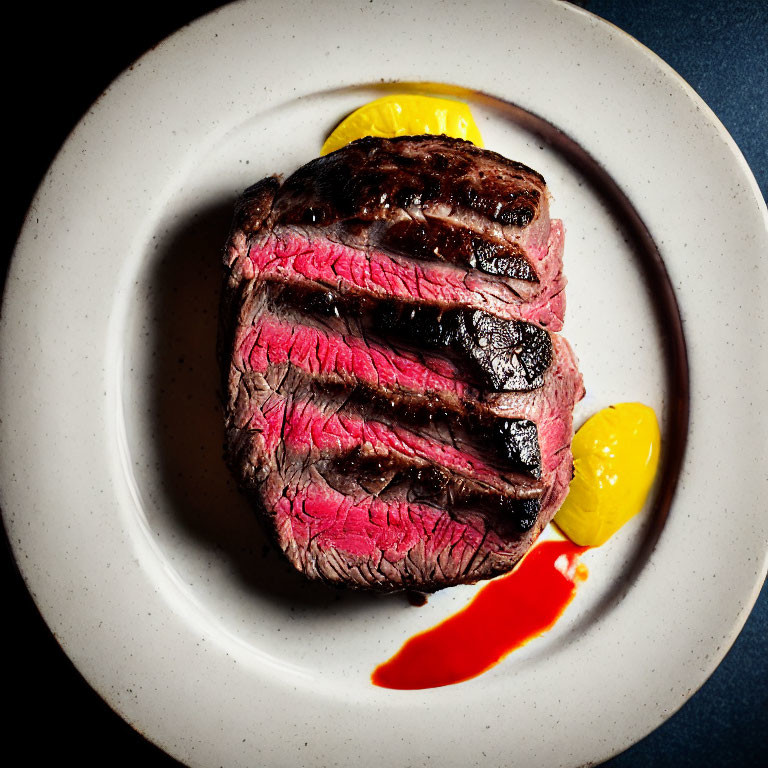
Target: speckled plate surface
144 561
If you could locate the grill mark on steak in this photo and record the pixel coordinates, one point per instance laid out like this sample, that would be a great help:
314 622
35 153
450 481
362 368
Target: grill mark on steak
390 478
503 355
435 239
510 444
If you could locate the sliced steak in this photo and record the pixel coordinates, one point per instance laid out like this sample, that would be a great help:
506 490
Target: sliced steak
394 405
435 394
416 218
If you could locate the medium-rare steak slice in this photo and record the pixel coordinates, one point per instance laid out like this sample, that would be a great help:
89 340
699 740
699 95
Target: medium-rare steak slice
311 260
396 406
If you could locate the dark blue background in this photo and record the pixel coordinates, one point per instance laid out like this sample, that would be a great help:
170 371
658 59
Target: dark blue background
57 58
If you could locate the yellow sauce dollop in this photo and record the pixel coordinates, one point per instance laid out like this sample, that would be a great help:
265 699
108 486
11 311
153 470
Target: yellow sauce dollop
615 457
405 115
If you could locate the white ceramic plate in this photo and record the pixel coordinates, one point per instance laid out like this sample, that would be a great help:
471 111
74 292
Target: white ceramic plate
143 559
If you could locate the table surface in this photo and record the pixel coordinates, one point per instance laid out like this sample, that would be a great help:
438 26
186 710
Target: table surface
64 56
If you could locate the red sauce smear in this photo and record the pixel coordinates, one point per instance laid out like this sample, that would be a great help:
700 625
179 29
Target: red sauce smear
504 615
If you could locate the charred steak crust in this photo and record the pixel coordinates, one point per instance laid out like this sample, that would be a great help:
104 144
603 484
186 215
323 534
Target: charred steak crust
394 405
370 176
404 194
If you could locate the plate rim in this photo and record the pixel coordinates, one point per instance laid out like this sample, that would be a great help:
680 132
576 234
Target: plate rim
712 118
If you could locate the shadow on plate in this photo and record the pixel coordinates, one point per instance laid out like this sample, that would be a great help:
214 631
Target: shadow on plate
188 423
